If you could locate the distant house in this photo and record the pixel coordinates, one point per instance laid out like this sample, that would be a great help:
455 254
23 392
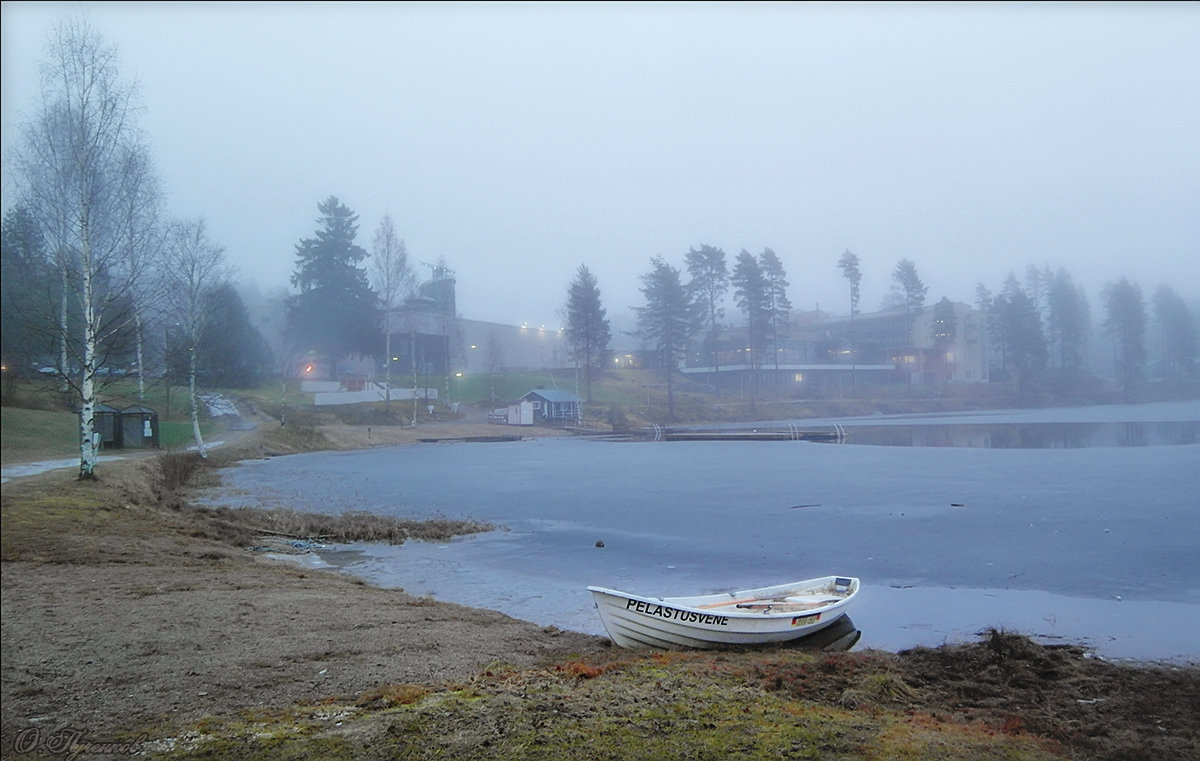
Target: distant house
554 405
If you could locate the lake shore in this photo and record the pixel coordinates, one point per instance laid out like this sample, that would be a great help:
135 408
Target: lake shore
120 612
128 616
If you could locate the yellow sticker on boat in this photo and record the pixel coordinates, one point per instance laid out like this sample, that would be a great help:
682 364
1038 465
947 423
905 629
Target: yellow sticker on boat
802 620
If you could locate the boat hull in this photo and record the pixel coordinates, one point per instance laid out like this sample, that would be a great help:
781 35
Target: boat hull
766 615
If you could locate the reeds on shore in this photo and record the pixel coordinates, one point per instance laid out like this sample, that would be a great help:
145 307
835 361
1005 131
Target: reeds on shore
244 525
248 523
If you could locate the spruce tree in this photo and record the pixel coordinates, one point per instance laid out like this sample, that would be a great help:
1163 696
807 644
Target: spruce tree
587 330
335 314
667 320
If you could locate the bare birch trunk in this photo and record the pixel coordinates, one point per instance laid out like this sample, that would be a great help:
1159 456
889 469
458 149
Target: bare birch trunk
200 447
88 455
63 330
141 368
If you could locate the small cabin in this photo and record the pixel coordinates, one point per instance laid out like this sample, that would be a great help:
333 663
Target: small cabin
554 405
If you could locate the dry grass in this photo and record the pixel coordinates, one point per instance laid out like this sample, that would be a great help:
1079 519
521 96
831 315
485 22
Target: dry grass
246 523
751 704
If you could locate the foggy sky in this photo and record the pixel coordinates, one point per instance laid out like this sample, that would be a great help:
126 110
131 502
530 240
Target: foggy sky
519 141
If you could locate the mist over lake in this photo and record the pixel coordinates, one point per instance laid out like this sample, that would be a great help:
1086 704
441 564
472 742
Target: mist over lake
1094 542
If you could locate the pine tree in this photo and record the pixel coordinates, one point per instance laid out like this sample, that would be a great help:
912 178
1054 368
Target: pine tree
909 292
708 284
752 294
778 306
587 330
233 353
336 312
1067 322
1125 323
667 320
1017 327
849 265
28 285
1178 330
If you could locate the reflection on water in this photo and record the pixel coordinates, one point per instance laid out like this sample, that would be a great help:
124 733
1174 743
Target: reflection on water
1026 435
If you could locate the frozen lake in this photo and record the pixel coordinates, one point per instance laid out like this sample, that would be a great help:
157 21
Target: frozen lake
1095 542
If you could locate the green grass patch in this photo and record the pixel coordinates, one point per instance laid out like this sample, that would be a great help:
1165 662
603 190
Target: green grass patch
503 388
34 520
178 435
38 434
629 706
30 435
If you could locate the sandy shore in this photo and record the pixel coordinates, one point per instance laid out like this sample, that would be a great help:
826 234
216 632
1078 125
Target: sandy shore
124 618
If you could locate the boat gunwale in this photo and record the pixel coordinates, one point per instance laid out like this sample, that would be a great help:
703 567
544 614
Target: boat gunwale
757 615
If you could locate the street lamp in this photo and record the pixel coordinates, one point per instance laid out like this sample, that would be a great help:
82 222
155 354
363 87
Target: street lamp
454 404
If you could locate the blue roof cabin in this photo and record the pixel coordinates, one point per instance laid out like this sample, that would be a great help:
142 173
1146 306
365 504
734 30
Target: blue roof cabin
554 405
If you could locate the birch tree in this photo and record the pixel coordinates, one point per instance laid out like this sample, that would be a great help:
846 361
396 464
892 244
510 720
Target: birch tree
194 268
84 170
393 279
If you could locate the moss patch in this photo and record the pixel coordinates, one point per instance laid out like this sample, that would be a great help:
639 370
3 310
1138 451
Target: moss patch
634 706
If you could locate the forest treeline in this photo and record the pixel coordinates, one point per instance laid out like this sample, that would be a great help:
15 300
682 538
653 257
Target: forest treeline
100 282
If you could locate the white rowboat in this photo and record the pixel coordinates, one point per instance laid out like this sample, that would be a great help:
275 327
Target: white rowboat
746 617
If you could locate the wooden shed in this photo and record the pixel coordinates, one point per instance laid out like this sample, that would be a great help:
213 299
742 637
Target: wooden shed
139 427
106 423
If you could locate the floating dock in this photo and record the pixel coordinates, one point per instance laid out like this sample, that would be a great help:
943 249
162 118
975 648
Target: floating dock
836 435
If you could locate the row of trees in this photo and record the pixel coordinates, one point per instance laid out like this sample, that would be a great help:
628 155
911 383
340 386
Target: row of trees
94 270
1042 329
92 267
676 310
1037 331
